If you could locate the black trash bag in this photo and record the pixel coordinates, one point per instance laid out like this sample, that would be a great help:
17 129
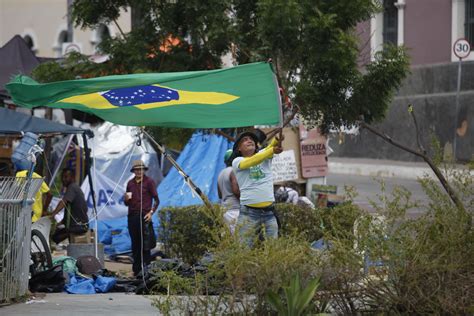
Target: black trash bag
125 286
149 237
49 281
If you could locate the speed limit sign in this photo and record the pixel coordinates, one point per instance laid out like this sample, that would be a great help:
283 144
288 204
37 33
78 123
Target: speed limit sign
461 48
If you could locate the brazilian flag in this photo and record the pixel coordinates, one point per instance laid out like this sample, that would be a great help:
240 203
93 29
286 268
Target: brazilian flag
244 95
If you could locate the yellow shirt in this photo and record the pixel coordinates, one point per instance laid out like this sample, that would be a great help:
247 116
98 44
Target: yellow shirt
37 206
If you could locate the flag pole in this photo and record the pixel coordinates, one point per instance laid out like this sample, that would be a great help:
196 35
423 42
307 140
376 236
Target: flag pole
187 179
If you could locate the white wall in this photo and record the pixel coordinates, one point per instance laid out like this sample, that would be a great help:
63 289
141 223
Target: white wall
44 20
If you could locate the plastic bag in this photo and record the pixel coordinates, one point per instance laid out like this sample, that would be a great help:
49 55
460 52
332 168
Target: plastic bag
104 284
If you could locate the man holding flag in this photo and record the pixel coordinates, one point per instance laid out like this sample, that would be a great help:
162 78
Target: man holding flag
253 170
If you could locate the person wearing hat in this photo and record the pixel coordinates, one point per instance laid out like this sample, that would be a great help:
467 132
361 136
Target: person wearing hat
253 170
229 193
142 201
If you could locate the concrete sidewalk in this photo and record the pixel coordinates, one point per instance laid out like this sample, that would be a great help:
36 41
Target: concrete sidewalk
381 168
116 304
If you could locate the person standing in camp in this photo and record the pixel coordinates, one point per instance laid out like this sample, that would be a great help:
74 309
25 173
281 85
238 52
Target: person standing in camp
75 218
142 200
253 170
229 193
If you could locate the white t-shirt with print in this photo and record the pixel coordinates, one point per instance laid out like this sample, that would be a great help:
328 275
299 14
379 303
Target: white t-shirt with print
255 183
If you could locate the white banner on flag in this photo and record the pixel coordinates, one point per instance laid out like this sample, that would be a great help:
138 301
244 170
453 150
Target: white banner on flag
109 202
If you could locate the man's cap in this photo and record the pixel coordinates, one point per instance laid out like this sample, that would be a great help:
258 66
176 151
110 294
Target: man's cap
239 139
138 164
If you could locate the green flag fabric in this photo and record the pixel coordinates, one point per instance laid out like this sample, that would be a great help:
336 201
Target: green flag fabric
244 95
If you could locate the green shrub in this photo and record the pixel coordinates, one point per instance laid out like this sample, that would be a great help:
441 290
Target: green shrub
296 299
299 221
430 259
312 224
427 262
254 271
188 232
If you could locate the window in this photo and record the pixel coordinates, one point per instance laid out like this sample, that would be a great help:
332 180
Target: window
469 22
29 41
63 37
104 32
390 22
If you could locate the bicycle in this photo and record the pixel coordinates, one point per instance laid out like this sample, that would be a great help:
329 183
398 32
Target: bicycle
40 253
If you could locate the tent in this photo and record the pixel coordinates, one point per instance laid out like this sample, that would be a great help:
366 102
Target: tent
201 159
17 58
14 123
113 150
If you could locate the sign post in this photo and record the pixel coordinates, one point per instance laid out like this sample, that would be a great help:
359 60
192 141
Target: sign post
461 49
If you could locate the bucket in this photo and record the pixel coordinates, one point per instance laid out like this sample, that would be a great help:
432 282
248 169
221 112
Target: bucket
79 250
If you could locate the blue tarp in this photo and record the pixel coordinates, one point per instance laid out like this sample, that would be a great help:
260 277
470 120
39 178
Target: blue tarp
81 285
202 159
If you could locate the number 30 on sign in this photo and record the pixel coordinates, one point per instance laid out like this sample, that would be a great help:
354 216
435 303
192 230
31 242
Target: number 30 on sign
461 48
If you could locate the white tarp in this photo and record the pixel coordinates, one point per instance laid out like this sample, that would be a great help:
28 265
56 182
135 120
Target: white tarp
114 147
109 198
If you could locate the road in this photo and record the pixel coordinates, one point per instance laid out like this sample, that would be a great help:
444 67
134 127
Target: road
369 189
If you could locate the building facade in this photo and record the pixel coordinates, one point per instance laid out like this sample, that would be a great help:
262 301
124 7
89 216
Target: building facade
44 26
428 29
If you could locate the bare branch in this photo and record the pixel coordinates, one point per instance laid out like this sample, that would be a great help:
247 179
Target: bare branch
452 194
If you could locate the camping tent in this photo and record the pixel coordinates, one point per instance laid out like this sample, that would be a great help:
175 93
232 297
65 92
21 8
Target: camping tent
201 159
113 149
16 59
14 123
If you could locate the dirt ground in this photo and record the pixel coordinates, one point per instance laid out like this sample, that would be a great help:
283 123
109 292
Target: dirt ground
123 269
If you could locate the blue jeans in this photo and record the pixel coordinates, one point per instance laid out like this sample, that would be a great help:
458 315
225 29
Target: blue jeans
255 222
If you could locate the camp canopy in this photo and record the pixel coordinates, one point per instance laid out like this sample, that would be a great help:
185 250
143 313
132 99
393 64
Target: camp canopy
14 123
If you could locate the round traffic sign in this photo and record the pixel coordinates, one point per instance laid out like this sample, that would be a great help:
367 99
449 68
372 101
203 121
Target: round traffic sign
461 48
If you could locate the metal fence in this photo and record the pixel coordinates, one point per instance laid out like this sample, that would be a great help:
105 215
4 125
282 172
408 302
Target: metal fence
15 234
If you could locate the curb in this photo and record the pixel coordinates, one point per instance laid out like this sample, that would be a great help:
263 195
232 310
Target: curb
380 168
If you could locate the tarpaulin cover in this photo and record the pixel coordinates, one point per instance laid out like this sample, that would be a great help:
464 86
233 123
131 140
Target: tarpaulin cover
14 123
202 159
81 285
114 149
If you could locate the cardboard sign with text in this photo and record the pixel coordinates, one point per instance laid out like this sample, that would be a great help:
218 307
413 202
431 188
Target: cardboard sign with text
284 167
313 153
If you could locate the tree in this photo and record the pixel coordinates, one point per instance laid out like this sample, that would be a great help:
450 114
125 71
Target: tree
312 44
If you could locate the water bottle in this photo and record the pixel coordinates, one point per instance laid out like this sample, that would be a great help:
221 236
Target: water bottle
21 156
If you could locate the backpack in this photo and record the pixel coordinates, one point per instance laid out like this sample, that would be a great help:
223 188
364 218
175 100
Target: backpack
49 281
